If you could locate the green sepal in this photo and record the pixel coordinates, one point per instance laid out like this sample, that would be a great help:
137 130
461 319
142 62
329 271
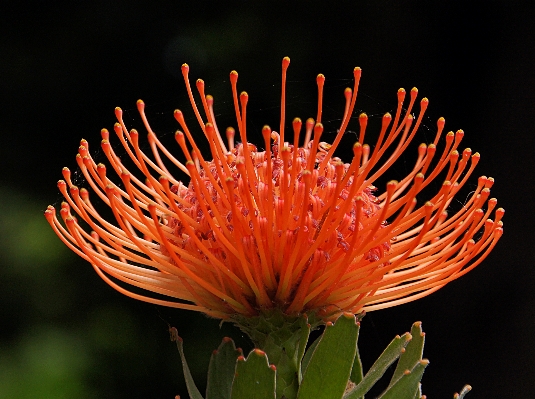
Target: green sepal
413 352
389 356
254 378
221 370
328 371
194 393
407 385
464 391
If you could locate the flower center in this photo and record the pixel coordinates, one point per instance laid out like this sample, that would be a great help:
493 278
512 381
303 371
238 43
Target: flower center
283 206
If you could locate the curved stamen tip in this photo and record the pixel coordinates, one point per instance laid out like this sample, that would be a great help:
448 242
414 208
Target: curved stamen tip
414 89
391 184
285 62
105 134
233 76
266 131
185 68
118 113
179 116
49 213
320 78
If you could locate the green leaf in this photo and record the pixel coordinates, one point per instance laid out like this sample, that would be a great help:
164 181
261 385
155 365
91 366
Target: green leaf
221 370
305 333
464 391
329 368
254 379
418 393
412 354
406 386
308 355
389 356
356 370
190 384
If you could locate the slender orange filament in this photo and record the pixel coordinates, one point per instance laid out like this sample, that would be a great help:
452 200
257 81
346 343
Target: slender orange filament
291 226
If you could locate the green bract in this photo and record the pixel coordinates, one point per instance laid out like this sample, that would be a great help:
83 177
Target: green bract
330 368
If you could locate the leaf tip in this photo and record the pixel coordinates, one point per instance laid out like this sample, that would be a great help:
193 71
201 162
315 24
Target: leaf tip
348 315
259 352
173 335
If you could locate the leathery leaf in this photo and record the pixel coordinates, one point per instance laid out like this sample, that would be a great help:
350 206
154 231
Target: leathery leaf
193 391
389 356
328 370
412 354
407 385
255 378
221 370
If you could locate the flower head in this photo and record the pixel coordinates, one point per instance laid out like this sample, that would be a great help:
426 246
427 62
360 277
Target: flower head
291 227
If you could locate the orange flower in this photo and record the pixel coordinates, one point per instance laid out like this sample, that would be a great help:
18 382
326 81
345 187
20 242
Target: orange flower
292 228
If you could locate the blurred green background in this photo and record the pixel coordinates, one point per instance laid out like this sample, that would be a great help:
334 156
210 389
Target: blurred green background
64 66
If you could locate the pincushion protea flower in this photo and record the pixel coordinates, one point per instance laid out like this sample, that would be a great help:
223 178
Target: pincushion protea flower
292 227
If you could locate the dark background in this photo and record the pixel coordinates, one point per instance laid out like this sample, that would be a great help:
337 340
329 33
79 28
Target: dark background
64 66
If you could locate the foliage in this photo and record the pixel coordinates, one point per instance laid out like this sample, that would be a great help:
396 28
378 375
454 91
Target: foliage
329 369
